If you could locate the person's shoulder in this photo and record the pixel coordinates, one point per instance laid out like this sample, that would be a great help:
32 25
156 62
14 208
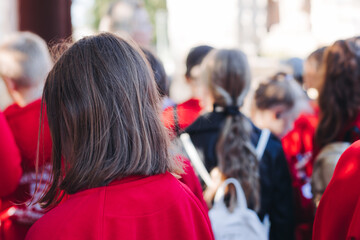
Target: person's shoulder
69 219
14 110
158 192
206 122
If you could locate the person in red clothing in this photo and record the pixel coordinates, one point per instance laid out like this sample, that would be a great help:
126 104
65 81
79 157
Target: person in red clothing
339 102
24 63
337 216
177 118
281 106
111 152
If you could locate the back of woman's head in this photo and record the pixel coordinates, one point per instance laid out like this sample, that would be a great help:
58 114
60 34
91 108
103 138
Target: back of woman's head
227 75
102 106
339 98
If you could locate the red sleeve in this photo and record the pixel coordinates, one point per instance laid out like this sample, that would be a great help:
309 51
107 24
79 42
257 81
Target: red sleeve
10 160
354 230
190 179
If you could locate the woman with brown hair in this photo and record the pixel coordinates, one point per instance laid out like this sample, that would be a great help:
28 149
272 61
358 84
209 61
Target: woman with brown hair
110 151
226 140
337 216
339 99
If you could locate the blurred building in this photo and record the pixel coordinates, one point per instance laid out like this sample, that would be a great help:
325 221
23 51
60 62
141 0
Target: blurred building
271 29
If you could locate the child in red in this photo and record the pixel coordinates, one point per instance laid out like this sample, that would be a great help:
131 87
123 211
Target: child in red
111 152
25 62
177 118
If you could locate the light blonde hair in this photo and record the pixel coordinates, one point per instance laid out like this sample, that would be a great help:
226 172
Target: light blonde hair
25 58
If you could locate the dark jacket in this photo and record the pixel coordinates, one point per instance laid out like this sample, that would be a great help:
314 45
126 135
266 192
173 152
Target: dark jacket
275 180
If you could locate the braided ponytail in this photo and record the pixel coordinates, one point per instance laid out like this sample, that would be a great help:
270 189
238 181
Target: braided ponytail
228 77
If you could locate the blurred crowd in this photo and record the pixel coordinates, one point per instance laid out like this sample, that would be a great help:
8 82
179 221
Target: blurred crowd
93 146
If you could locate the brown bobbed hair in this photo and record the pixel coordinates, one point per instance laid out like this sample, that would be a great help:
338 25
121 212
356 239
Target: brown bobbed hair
103 111
339 98
227 75
276 91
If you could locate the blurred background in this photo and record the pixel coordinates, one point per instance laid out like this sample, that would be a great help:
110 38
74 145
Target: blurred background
269 31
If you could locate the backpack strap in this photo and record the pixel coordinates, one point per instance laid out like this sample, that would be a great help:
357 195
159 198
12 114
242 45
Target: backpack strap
240 195
176 120
195 159
261 145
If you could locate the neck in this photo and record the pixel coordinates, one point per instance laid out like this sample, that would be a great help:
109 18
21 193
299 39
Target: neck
25 96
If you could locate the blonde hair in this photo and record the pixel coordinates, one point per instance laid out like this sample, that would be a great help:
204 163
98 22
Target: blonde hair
25 58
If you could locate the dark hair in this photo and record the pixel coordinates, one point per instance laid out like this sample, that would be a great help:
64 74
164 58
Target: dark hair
103 113
296 65
317 55
276 91
228 77
195 57
339 98
159 72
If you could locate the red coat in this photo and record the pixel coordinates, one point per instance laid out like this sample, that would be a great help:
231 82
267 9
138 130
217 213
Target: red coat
190 179
187 113
156 207
298 148
338 214
298 145
10 169
24 124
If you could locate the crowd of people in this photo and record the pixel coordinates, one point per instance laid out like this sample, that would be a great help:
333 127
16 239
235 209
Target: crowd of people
93 146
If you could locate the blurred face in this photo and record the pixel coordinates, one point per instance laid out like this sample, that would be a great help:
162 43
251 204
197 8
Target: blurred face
277 119
312 76
143 32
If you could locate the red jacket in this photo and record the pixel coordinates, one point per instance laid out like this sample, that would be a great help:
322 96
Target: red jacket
187 112
298 146
156 207
24 124
10 169
338 213
192 181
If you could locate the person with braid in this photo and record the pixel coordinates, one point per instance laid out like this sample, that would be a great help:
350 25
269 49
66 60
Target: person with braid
337 216
226 141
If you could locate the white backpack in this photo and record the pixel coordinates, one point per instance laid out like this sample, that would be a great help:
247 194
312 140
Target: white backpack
242 223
